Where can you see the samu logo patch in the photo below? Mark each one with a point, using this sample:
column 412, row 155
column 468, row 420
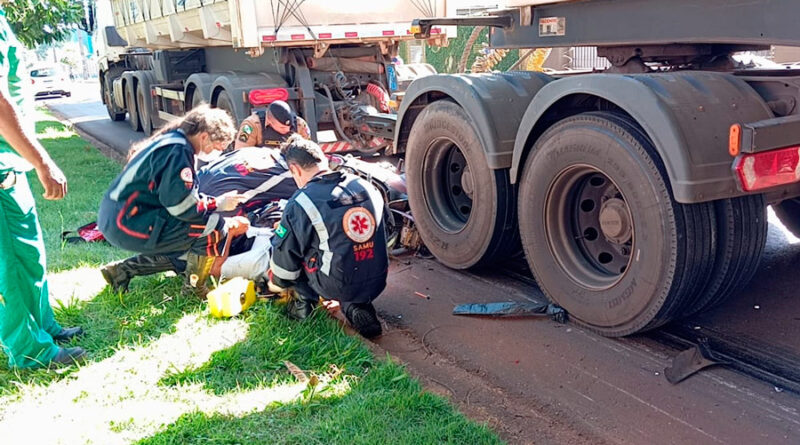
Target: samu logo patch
column 359, row 224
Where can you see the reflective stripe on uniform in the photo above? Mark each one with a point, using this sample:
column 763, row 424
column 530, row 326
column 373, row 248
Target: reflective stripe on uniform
column 130, row 172
column 180, row 208
column 282, row 273
column 377, row 202
column 322, row 231
column 213, row 220
column 267, row 185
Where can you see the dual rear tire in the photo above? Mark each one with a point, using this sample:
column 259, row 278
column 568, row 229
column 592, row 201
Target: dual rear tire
column 601, row 231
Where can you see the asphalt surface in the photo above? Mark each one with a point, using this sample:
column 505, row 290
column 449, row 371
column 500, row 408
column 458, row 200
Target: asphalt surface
column 537, row 381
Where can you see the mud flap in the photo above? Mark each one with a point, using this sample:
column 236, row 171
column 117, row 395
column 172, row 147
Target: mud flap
column 513, row 309
column 691, row 361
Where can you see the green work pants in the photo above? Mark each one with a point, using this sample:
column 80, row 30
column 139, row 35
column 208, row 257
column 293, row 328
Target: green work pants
column 26, row 318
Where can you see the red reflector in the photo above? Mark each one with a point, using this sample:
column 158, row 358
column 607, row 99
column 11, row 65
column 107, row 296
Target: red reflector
column 735, row 140
column 267, row 96
column 351, row 34
column 33, row 81
column 269, row 38
column 768, row 169
column 325, row 35
column 298, row 36
column 388, row 33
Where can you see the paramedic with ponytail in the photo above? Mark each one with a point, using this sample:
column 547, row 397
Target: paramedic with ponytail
column 154, row 207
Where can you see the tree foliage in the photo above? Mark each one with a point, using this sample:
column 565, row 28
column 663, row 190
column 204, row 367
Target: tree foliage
column 38, row 22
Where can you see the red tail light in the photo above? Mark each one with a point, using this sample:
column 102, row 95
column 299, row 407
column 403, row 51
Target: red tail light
column 33, row 81
column 267, row 96
column 768, row 169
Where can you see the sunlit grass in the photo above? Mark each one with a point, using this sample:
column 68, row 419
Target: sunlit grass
column 162, row 371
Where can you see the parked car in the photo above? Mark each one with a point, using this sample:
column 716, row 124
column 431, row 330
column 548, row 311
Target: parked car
column 50, row 81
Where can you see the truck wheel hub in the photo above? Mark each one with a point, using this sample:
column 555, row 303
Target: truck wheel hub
column 467, row 183
column 615, row 221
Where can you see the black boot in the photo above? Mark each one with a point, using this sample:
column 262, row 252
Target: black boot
column 300, row 309
column 363, row 318
column 119, row 274
column 67, row 334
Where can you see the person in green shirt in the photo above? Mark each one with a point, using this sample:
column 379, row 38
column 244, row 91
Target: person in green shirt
column 28, row 329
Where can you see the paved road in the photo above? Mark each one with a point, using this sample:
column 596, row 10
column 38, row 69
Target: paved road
column 541, row 382
column 85, row 110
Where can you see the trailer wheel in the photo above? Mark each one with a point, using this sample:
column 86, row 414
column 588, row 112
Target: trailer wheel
column 788, row 211
column 197, row 99
column 130, row 102
column 741, row 237
column 464, row 210
column 602, row 233
column 224, row 102
column 145, row 119
column 109, row 102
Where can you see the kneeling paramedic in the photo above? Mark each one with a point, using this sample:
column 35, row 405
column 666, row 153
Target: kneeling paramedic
column 260, row 175
column 154, row 207
column 331, row 240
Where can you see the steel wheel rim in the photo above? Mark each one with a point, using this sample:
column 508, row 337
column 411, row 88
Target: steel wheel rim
column 590, row 230
column 448, row 183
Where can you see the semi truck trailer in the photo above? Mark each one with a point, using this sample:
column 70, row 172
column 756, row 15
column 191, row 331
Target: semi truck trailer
column 637, row 193
column 333, row 62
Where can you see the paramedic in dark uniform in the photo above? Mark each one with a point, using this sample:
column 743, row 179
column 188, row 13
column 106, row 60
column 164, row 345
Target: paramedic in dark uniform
column 331, row 240
column 259, row 174
column 271, row 127
column 153, row 207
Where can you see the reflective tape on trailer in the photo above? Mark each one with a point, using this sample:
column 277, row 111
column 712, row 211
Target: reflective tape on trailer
column 341, row 146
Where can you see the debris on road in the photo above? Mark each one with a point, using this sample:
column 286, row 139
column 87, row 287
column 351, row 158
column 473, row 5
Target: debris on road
column 421, row 295
column 691, row 361
column 513, row 309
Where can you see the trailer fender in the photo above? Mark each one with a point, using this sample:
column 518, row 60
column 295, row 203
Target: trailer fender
column 687, row 115
column 494, row 103
column 238, row 85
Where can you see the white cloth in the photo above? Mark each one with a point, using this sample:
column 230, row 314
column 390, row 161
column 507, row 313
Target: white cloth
column 254, row 263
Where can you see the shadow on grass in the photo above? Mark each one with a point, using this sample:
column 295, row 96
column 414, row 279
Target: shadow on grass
column 111, row 321
column 385, row 406
column 313, row 345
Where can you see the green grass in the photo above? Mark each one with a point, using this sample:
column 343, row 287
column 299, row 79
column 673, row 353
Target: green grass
column 162, row 371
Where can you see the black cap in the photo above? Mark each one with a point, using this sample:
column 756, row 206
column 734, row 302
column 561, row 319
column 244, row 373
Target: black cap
column 281, row 112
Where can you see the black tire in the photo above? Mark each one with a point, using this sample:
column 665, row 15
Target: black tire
column 741, row 236
column 113, row 114
column 197, row 99
column 464, row 211
column 788, row 211
column 130, row 102
column 601, row 231
column 144, row 111
column 224, row 102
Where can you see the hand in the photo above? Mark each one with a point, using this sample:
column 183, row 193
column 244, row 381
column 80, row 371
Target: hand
column 331, row 306
column 236, row 225
column 53, row 181
column 230, row 200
